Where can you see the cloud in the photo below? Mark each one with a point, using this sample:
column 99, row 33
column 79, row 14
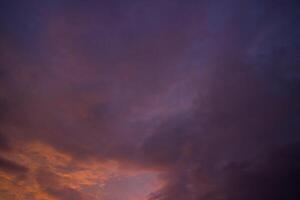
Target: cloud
column 274, row 177
column 102, row 99
column 47, row 173
column 4, row 143
column 11, row 166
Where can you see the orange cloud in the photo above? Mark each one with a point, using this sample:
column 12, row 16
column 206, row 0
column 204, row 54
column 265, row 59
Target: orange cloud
column 55, row 175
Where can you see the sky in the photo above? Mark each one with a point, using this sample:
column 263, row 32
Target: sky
column 149, row 100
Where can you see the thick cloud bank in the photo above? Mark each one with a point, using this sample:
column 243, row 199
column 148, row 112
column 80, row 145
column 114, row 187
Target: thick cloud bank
column 156, row 100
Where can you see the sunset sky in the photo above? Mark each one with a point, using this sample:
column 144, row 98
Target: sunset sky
column 149, row 100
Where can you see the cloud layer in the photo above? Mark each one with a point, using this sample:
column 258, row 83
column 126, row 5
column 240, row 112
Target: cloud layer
column 154, row 100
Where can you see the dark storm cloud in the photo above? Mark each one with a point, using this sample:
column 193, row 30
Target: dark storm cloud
column 12, row 167
column 4, row 143
column 205, row 92
column 234, row 153
column 231, row 151
column 66, row 76
column 274, row 177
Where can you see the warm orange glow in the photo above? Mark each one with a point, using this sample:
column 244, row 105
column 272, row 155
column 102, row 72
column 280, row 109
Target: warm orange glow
column 50, row 169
